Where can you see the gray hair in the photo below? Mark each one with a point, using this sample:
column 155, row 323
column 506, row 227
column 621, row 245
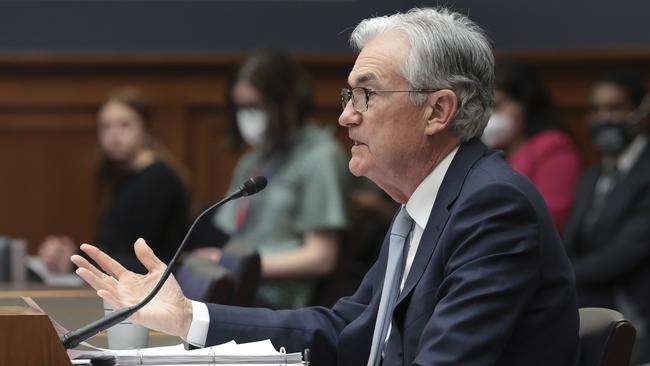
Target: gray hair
column 448, row 51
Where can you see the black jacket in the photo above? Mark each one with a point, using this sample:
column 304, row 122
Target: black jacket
column 616, row 253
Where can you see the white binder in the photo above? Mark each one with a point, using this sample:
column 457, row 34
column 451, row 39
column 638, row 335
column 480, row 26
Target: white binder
column 231, row 353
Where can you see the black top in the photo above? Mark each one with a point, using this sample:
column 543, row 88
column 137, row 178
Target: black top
column 151, row 204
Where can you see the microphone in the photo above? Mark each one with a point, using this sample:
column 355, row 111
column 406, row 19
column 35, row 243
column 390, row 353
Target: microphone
column 249, row 187
column 73, row 338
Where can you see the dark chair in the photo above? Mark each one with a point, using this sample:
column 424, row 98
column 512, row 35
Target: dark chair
column 201, row 280
column 244, row 265
column 606, row 338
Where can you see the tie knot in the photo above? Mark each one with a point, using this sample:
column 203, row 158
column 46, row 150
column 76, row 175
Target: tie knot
column 402, row 224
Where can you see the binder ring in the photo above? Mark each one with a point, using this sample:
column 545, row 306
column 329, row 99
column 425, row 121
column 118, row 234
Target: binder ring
column 284, row 352
column 213, row 356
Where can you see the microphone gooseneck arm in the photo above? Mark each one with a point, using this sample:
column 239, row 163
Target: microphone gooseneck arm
column 73, row 338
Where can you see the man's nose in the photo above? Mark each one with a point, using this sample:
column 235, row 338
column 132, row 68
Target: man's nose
column 349, row 116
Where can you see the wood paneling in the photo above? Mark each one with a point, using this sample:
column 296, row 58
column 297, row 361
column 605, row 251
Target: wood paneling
column 46, row 157
column 48, row 104
column 47, row 129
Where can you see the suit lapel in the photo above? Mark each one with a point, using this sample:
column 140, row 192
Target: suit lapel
column 467, row 155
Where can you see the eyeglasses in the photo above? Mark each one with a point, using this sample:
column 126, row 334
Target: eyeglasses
column 360, row 96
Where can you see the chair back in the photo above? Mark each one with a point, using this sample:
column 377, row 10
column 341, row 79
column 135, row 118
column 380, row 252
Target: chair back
column 201, row 280
column 606, row 338
column 244, row 265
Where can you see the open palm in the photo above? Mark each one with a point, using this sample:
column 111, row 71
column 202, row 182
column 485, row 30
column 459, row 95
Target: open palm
column 169, row 311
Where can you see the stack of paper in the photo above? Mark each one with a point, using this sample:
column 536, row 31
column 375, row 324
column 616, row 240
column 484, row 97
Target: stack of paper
column 231, row 353
column 255, row 353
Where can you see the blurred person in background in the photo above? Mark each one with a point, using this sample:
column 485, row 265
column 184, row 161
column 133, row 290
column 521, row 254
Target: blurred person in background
column 526, row 126
column 608, row 233
column 296, row 223
column 138, row 185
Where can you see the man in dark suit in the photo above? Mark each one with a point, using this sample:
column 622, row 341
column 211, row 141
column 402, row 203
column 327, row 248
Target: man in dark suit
column 608, row 233
column 472, row 272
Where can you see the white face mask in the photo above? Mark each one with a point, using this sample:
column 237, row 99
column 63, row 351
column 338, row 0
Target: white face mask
column 252, row 124
column 499, row 131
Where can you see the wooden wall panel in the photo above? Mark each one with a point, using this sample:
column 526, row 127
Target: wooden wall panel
column 48, row 105
column 48, row 142
column 210, row 159
column 46, row 157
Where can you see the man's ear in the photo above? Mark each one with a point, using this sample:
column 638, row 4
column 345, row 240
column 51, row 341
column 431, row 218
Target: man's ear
column 441, row 109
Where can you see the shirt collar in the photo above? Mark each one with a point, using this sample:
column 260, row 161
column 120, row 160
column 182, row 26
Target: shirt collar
column 631, row 154
column 420, row 204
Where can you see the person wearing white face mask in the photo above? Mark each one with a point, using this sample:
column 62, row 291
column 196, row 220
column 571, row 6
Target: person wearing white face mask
column 252, row 124
column 525, row 126
column 499, row 131
column 296, row 222
column 607, row 234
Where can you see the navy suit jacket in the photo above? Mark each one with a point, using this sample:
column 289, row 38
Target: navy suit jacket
column 490, row 285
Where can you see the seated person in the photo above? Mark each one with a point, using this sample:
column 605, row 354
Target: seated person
column 296, row 224
column 140, row 192
column 608, row 233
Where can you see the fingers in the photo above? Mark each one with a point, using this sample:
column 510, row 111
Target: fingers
column 147, row 257
column 81, row 262
column 108, row 264
column 94, row 281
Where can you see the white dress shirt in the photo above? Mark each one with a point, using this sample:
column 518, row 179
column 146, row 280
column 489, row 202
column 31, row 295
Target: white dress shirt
column 198, row 332
column 418, row 207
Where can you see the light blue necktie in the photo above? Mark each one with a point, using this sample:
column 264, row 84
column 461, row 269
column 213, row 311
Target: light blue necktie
column 400, row 230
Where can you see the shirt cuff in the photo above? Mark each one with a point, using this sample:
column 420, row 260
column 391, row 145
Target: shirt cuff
column 198, row 332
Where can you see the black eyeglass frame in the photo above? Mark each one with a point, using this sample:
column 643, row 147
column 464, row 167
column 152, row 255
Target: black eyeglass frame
column 347, row 94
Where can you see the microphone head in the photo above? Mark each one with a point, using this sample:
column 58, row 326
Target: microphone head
column 253, row 185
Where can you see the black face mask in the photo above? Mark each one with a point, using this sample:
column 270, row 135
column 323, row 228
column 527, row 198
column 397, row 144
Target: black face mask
column 611, row 137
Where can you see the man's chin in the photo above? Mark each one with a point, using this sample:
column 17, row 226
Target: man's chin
column 356, row 167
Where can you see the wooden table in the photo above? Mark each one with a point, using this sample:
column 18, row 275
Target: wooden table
column 73, row 307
